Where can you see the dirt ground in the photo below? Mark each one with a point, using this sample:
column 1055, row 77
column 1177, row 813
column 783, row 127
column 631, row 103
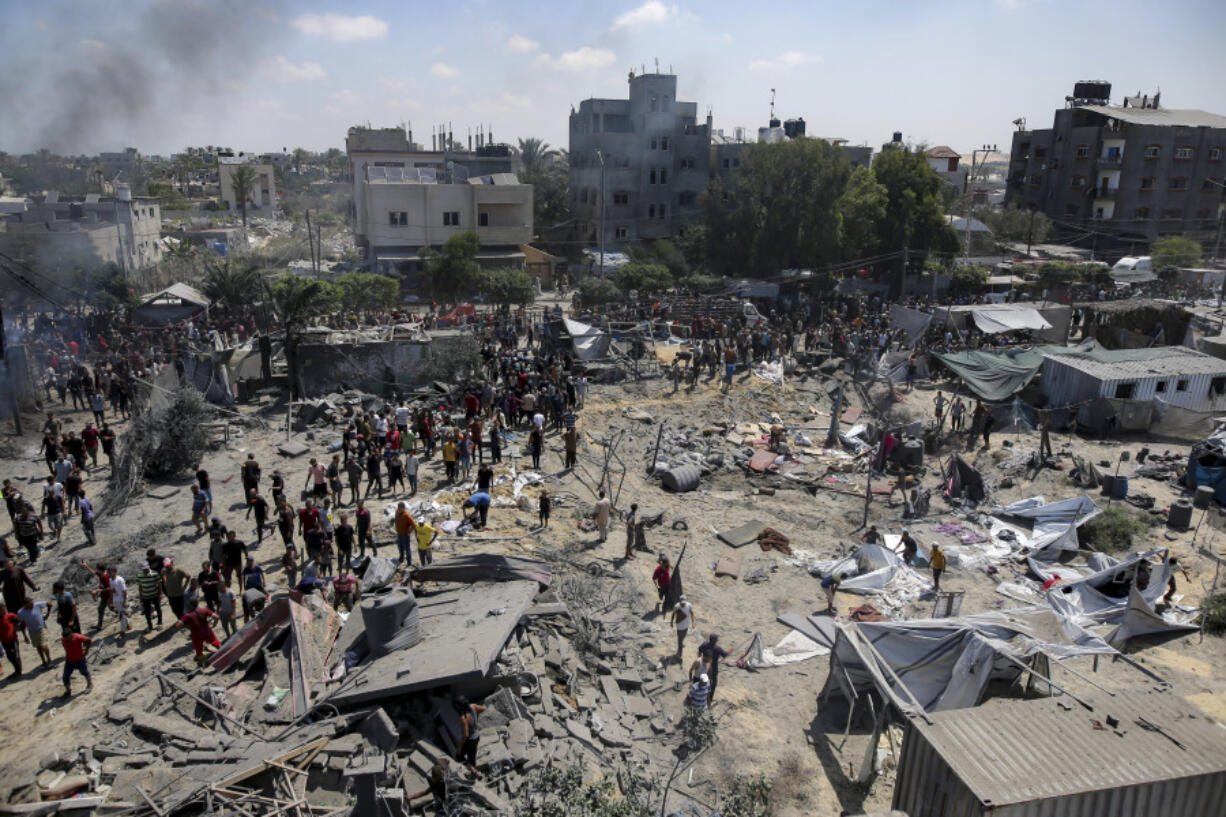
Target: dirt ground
column 769, row 720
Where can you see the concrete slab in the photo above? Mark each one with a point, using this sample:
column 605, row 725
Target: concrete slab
column 460, row 645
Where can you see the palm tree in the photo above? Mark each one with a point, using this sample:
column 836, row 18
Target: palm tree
column 243, row 181
column 534, row 153
column 299, row 154
column 295, row 301
column 236, row 287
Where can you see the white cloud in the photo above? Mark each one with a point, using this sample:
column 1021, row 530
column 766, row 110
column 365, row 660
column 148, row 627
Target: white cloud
column 581, row 59
column 788, row 59
column 343, row 97
column 650, row 13
column 282, row 70
column 444, row 71
column 341, row 29
column 522, row 44
column 516, row 101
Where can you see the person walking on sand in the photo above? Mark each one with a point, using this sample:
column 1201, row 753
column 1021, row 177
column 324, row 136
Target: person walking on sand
column 936, row 559
column 661, row 577
column 76, row 648
column 683, row 620
column 601, row 513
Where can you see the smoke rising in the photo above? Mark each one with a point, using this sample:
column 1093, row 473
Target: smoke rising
column 134, row 80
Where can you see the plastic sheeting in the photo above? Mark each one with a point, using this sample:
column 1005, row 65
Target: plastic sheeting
column 913, row 323
column 1010, row 319
column 590, row 343
column 1053, row 525
column 868, row 569
column 995, row 376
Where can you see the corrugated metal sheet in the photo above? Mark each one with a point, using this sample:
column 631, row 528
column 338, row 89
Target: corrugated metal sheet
column 1037, row 759
column 1126, row 364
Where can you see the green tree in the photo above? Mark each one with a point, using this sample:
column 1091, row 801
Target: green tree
column 243, row 181
column 670, row 255
column 364, row 291
column 595, row 291
column 109, row 288
column 968, row 279
column 235, row 286
column 1013, row 224
column 863, row 207
column 913, row 216
column 535, row 154
column 643, row 277
column 783, row 211
column 295, row 301
column 1175, row 252
column 452, row 271
column 508, row 287
column 692, row 242
column 299, row 156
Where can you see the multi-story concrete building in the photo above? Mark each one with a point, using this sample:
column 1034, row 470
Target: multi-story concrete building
column 59, row 234
column 1126, row 173
column 654, row 157
column 263, row 192
column 406, row 198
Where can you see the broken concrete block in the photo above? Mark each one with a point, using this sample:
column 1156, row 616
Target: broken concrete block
column 612, row 691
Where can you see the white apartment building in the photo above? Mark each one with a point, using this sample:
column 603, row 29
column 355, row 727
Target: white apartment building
column 263, row 194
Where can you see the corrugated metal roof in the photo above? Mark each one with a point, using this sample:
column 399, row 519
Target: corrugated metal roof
column 1124, row 364
column 1020, row 751
column 1186, row 118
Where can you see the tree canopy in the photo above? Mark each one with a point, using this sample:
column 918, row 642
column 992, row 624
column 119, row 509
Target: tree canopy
column 642, row 276
column 1175, row 252
column 508, row 287
column 361, row 291
column 913, row 218
column 594, row 291
column 1014, row 224
column 452, row 271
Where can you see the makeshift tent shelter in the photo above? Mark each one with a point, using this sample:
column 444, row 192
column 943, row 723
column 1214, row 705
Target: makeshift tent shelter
column 869, row 568
column 1053, row 525
column 176, row 302
column 913, row 323
column 963, row 481
column 1004, row 318
column 995, row 376
column 1207, row 466
column 590, row 343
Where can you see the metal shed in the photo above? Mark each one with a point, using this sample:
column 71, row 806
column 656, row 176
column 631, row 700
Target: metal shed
column 1175, row 374
column 1051, row 757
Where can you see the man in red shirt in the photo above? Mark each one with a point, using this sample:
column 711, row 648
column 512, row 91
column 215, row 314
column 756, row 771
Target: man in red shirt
column 90, row 438
column 76, row 647
column 8, row 638
column 197, row 624
column 662, row 577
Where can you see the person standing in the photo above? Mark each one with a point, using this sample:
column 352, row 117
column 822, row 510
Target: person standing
column 365, row 537
column 317, row 480
column 65, row 608
column 106, row 436
column 119, row 601
column 8, row 638
column 601, row 513
column 343, row 535
column 450, row 455
column 955, row 414
column 252, row 579
column 76, row 647
column 545, row 505
column 200, row 510
column 404, row 524
column 87, row 518
column 631, row 522
column 149, row 588
column 250, row 473
column 470, row 732
column 411, row 465
column 699, row 693
column 536, row 441
column 29, row 529
column 936, row 559
column 14, row 580
column 426, row 534
column 353, row 470
column 939, row 403
column 259, row 505
column 1044, row 423
column 989, row 420
column 90, row 436
column 227, row 609
column 683, row 620
column 712, row 652
column 662, row 577
column 335, row 487
column 570, row 440
column 174, row 583
column 33, row 618
column 209, row 582
column 103, row 593
column 374, row 474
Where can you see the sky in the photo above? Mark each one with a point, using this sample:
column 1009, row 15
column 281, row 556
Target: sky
column 158, row 75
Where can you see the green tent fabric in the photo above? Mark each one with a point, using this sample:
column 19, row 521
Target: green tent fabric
column 995, row 376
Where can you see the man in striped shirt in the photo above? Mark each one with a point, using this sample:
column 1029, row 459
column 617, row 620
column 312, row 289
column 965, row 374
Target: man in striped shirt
column 150, row 586
column 699, row 691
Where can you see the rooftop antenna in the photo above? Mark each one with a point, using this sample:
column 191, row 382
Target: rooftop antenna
column 657, row 65
column 772, row 103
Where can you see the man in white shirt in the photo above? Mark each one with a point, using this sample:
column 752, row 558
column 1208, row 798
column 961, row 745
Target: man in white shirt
column 683, row 619
column 402, row 418
column 119, row 600
column 410, row 470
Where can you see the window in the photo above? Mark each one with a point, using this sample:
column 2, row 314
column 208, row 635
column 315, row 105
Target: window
column 654, row 143
column 727, row 164
column 483, row 219
column 1039, row 153
column 655, row 104
column 1172, row 213
column 451, row 218
column 1182, row 385
column 1179, row 183
column 666, row 103
column 1083, row 151
column 686, row 199
column 398, row 218
column 1217, row 385
column 1124, row 391
column 1183, row 153
column 1078, row 181
column 664, row 143
column 1147, row 183
column 1215, row 154
column 621, row 197
column 663, row 211
column 1160, row 386
column 663, row 176
column 621, row 233
column 736, row 161
column 651, row 211
column 1151, row 151
column 651, row 176
column 687, row 163
column 1071, row 209
column 1141, row 212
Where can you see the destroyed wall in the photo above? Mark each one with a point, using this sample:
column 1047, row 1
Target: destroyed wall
column 365, row 366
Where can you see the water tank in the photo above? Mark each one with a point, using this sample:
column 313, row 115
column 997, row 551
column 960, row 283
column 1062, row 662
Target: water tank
column 794, row 128
column 681, row 479
column 898, row 136
column 392, row 621
column 1095, row 90
column 123, row 192
column 911, row 453
column 1180, row 515
column 1204, row 496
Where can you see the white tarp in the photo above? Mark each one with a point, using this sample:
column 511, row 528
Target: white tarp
column 1010, row 319
column 868, row 569
column 793, row 647
column 590, row 343
column 1054, row 524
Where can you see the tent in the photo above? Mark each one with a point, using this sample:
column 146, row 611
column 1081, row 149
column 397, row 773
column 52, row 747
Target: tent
column 1053, row 525
column 590, row 343
column 913, row 323
column 869, row 568
column 963, row 481
column 175, row 303
column 995, row 376
column 1008, row 319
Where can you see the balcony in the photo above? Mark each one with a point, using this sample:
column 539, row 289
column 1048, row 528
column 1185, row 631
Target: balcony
column 1105, row 192
column 1111, row 161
